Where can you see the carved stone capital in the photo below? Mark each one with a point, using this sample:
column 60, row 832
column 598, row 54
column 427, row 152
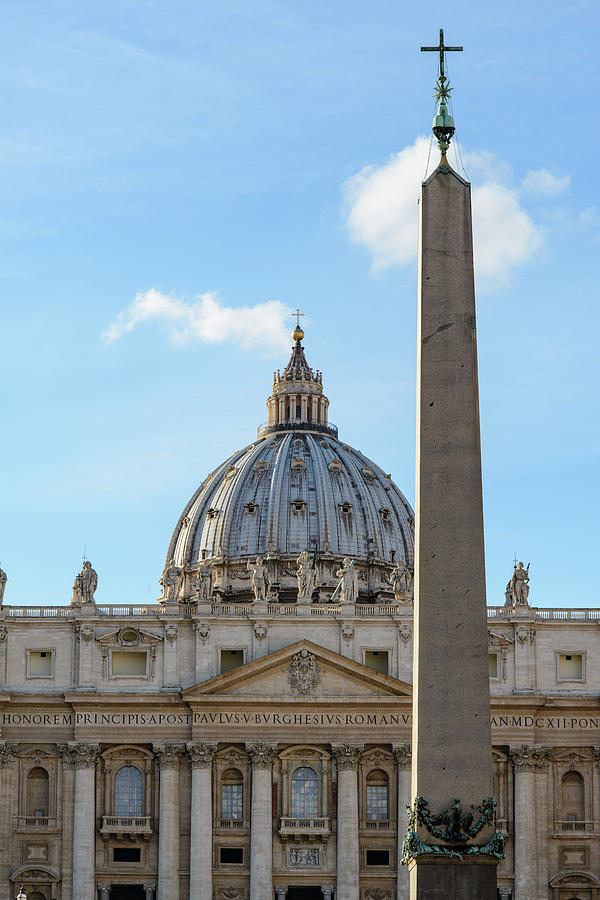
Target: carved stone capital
column 149, row 887
column 168, row 754
column 103, row 886
column 529, row 759
column 7, row 753
column 346, row 755
column 201, row 754
column 80, row 755
column 327, row 890
column 261, row 754
column 280, row 890
column 403, row 754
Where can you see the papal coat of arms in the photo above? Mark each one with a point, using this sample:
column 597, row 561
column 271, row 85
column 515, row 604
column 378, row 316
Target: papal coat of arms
column 303, row 672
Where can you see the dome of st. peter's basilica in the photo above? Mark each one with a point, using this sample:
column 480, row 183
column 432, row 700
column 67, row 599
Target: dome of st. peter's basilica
column 297, row 487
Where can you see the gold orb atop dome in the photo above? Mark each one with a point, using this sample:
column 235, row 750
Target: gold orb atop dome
column 297, row 333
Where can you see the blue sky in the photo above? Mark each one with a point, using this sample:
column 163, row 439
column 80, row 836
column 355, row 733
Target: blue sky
column 263, row 155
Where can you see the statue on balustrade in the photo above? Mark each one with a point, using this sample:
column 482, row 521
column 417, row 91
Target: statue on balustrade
column 307, row 576
column 401, row 580
column 85, row 585
column 517, row 589
column 3, row 580
column 171, row 581
column 201, row 583
column 348, row 586
column 259, row 579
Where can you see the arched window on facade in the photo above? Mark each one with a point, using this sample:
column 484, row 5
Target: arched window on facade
column 232, row 794
column 128, row 791
column 573, row 801
column 305, row 793
column 38, row 792
column 377, row 796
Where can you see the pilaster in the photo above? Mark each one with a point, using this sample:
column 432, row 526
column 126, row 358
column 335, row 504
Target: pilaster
column 403, row 755
column 201, row 819
column 82, row 757
column 8, row 754
column 348, row 860
column 168, row 756
column 261, row 820
column 527, row 761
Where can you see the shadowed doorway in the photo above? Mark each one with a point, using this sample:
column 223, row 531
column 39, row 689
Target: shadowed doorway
column 304, row 893
column 127, row 892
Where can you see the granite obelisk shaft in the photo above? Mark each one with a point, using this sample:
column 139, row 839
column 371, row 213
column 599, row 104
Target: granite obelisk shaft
column 451, row 707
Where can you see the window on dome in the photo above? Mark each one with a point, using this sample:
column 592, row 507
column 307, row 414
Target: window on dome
column 298, row 505
column 386, row 514
column 211, row 513
column 250, row 508
column 231, row 659
column 346, row 507
column 377, row 660
column 305, row 793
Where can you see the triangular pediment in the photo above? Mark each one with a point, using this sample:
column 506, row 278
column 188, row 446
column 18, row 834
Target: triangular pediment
column 302, row 670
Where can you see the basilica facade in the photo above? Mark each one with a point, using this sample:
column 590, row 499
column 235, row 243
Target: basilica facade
column 247, row 737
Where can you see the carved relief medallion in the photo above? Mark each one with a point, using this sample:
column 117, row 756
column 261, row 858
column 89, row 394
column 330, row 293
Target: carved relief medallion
column 303, row 672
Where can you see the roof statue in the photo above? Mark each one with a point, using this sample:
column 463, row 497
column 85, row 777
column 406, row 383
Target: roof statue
column 443, row 122
column 85, row 585
column 3, row 580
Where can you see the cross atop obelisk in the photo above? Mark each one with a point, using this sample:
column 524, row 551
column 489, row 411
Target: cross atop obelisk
column 442, row 49
column 443, row 123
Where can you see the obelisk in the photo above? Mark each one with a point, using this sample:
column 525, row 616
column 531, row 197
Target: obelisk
column 451, row 847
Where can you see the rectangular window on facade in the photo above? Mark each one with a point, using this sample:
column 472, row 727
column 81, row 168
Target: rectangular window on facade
column 378, row 857
column 126, row 854
column 377, row 802
column 40, row 663
column 570, row 667
column 232, row 801
column 378, row 660
column 493, row 664
column 128, row 663
column 231, row 659
column 231, row 855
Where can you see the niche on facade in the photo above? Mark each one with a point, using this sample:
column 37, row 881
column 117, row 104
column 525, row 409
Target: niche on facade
column 377, row 799
column 303, row 794
column 125, row 793
column 578, row 885
column 128, row 653
column 231, row 791
column 37, row 788
column 572, row 788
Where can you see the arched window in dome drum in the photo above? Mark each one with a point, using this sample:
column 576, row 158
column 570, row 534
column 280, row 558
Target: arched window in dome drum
column 377, row 796
column 128, row 791
column 232, row 785
column 305, row 793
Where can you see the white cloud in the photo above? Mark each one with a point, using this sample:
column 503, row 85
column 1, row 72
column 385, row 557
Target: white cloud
column 206, row 318
column 382, row 215
column 542, row 183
